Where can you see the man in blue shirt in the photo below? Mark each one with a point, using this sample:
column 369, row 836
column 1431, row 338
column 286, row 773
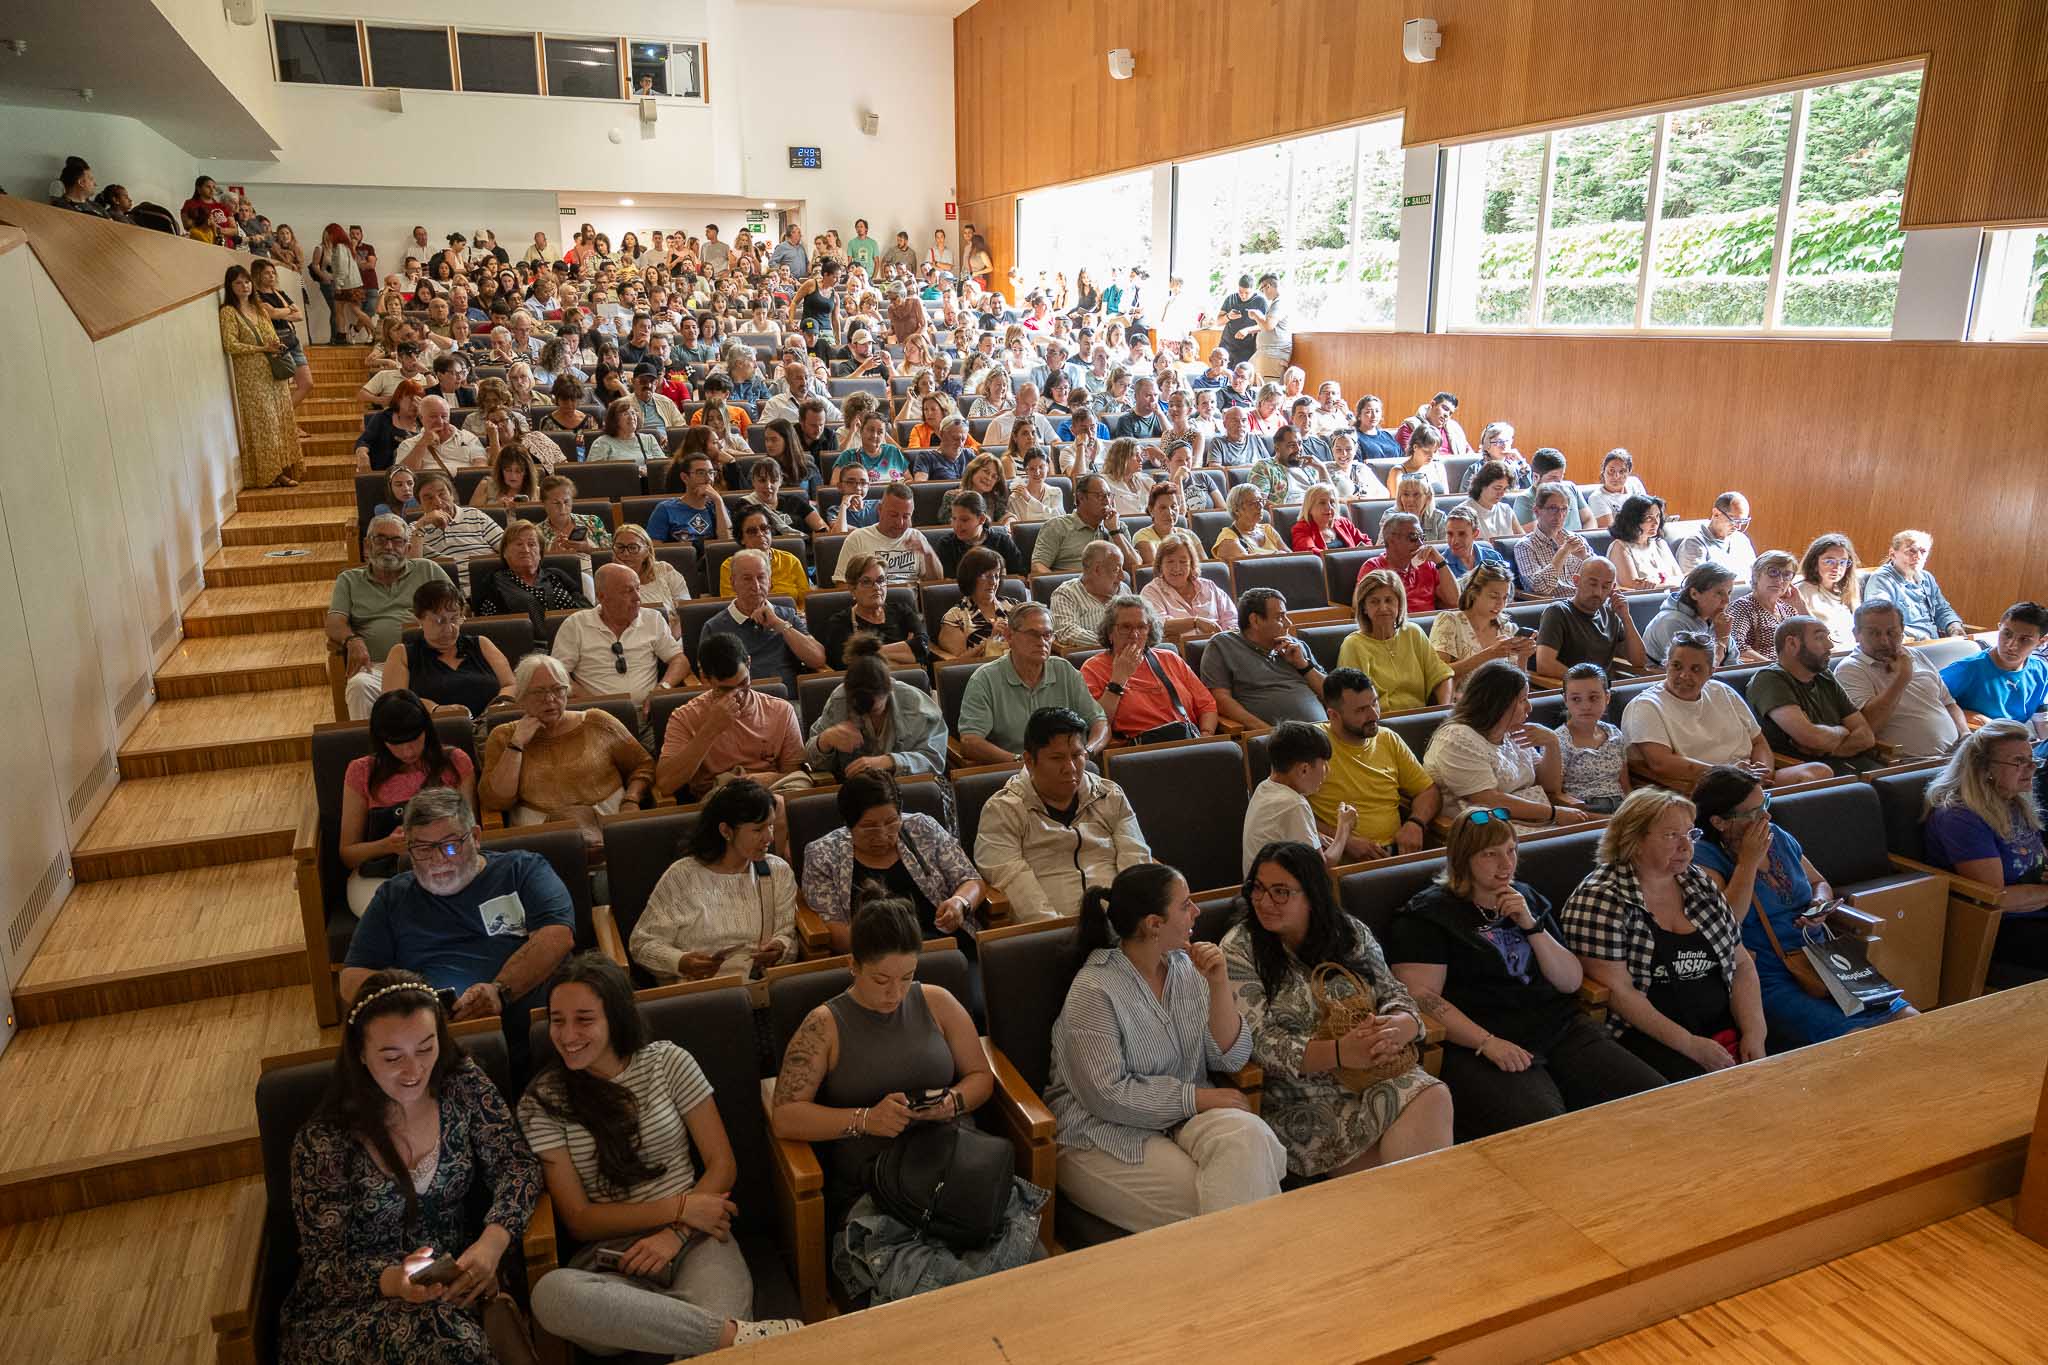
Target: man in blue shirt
column 790, row 252
column 1904, row 581
column 1467, row 551
column 2007, row 681
column 490, row 927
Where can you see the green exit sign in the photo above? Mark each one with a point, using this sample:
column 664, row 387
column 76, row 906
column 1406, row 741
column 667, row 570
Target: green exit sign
column 1415, row 201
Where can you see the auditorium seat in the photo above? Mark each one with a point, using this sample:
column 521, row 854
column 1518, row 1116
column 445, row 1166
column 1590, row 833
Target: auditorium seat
column 1341, row 569
column 1974, row 911
column 825, row 555
column 1043, row 585
column 591, row 507
column 824, row 604
column 716, row 552
column 927, row 497
column 971, row 791
column 1300, row 579
column 638, row 848
column 814, row 814
column 813, row 690
column 481, row 570
column 940, row 598
column 513, row 635
column 1200, row 838
column 695, row 615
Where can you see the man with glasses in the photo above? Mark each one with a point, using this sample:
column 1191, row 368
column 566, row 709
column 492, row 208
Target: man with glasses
column 1724, row 540
column 1003, row 694
column 1056, row 829
column 491, row 927
column 1063, row 542
column 1372, row 772
column 1903, row 579
column 1803, row 710
column 2008, row 681
column 619, row 645
column 372, row 606
column 728, row 728
column 1899, row 690
column 1679, row 728
column 772, row 635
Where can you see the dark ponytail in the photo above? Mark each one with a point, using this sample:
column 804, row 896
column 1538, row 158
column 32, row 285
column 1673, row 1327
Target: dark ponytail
column 1112, row 914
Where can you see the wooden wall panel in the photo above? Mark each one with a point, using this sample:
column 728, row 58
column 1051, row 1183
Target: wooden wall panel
column 1857, row 436
column 1036, row 106
column 996, row 220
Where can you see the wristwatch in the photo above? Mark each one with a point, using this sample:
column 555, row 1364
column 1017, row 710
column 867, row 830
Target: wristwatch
column 1115, row 687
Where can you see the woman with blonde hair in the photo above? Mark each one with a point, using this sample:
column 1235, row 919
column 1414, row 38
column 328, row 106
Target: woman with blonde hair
column 1827, row 587
column 1478, row 630
column 1389, row 648
column 1323, row 525
column 1770, row 602
column 991, row 394
column 1249, row 532
column 1982, row 822
column 1121, row 472
column 1413, row 494
column 662, row 585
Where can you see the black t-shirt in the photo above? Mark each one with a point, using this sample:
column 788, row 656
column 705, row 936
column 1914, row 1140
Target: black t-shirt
column 1238, row 333
column 951, row 549
column 1139, row 428
column 1686, row 984
column 899, row 622
column 1490, row 974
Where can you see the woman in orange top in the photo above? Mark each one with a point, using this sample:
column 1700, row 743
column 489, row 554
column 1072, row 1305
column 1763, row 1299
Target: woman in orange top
column 926, row 433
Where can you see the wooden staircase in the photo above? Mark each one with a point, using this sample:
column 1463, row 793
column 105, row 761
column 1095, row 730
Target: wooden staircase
column 127, row 1100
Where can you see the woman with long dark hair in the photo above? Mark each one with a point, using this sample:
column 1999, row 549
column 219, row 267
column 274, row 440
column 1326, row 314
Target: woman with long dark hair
column 383, row 1178
column 263, row 402
column 641, row 1172
column 1144, row 1138
column 1292, row 925
column 728, row 904
column 405, row 756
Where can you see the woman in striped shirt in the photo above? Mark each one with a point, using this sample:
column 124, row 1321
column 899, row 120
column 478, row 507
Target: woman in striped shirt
column 1145, row 1138
column 616, row 1119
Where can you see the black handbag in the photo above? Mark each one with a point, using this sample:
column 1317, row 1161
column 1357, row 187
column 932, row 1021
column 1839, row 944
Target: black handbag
column 948, row 1181
column 1184, row 728
column 281, row 366
column 378, row 823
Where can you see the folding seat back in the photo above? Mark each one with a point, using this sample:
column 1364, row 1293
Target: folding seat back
column 1201, row 838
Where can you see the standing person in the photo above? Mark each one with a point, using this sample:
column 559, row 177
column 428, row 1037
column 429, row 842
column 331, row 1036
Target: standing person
column 1239, row 313
column 263, row 400
column 341, row 279
column 285, row 316
column 1273, row 342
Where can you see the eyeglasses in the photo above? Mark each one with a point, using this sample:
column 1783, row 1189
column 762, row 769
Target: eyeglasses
column 1780, row 572
column 547, row 693
column 1482, row 817
column 1738, row 523
column 390, row 540
column 1833, row 562
column 1029, row 633
column 2012, row 763
column 1274, row 895
column 447, row 851
column 1698, row 639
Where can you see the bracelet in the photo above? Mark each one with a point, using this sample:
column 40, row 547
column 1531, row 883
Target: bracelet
column 862, row 1119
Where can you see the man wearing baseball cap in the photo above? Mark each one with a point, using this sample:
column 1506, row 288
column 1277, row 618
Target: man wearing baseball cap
column 658, row 413
column 863, row 359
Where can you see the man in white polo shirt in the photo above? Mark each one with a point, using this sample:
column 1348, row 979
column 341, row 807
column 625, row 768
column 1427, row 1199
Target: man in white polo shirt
column 1898, row 690
column 619, row 645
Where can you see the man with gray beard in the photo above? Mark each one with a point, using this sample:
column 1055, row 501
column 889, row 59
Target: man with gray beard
column 372, row 606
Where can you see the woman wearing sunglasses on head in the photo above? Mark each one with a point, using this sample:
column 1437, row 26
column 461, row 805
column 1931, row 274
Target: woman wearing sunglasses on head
column 1483, row 955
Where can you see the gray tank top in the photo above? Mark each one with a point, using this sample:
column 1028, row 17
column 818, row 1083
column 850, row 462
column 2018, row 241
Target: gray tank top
column 879, row 1054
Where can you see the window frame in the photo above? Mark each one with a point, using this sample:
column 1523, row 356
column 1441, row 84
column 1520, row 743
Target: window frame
column 2005, row 264
column 370, row 81
column 532, row 37
column 620, row 65
column 362, row 81
column 1772, row 326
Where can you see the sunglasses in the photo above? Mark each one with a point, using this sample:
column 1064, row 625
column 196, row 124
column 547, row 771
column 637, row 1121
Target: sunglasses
column 618, row 656
column 1481, row 817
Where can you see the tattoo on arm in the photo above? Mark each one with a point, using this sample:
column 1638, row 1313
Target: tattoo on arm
column 1431, row 1004
column 803, row 1066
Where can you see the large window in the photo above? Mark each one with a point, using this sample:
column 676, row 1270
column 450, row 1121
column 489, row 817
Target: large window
column 498, row 63
column 415, row 58
column 2012, row 296
column 1322, row 213
column 483, row 61
column 312, row 53
column 586, row 68
column 1777, row 213
column 1100, row 226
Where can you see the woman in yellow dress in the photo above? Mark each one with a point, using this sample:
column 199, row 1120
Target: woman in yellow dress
column 263, row 402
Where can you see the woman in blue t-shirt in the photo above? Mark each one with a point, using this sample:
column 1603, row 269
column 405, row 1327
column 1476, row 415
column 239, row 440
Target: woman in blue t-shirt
column 1983, row 823
column 1756, row 864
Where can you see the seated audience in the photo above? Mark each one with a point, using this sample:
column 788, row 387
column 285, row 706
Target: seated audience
column 1003, row 694
column 789, row 514
column 1497, row 445
column 1903, row 579
column 1983, row 821
column 1372, row 771
column 567, row 531
column 971, row 530
column 1055, row 829
column 1079, row 604
column 1062, row 541
column 1592, row 626
column 555, row 763
column 1427, row 580
column 525, row 586
column 1147, row 693
column 1477, row 630
column 637, row 1162
column 978, row 625
column 1165, row 517
column 754, row 528
column 1249, row 533
column 1549, row 557
column 1594, row 754
column 455, row 673
column 894, row 623
column 1828, row 590
column 909, row 854
column 441, row 446
column 1391, row 649
column 623, row 439
column 405, row 755
column 1654, row 930
column 389, row 428
column 1687, row 723
column 729, row 729
column 2008, row 681
column 1487, row 498
column 1286, row 475
column 1724, row 540
column 1232, row 446
column 1618, row 483
column 1698, row 606
column 1899, row 690
column 400, row 484
column 1465, row 551
column 875, row 721
column 899, row 549
column 881, row 458
column 773, row 636
column 849, row 1069
column 491, row 927
column 448, row 530
column 1436, row 415
column 1483, row 955
column 1769, row 883
column 412, row 1146
column 1803, row 710
column 696, row 514
column 1128, row 484
column 662, row 586
column 1641, row 556
column 1190, row 606
column 1031, row 497
column 1146, row 1138
column 1298, row 763
column 619, row 645
column 371, row 607
column 727, row 906
column 1488, row 757
column 1414, row 495
column 1423, row 459
column 1547, row 467
column 1754, row 617
column 1331, row 1124
column 1261, row 673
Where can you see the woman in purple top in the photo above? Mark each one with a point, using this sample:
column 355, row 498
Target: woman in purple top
column 1982, row 822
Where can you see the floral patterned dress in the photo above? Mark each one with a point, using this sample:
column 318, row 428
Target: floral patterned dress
column 351, row 1221
column 1322, row 1124
column 263, row 405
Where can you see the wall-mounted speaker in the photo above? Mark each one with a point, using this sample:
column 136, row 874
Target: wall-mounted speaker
column 649, row 110
column 244, row 12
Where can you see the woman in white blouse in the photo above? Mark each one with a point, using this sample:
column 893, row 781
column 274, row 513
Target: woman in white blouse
column 1487, row 757
column 661, row 583
column 1828, row 589
column 1128, row 486
column 1491, row 483
column 728, row 906
column 1190, row 606
column 1478, row 631
column 992, row 395
column 1145, row 1137
column 1031, row 497
column 1642, row 557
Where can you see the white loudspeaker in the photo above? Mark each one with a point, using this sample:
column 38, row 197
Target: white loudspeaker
column 1121, row 65
column 1420, row 40
column 394, row 99
column 649, row 110
column 244, row 12
column 871, row 124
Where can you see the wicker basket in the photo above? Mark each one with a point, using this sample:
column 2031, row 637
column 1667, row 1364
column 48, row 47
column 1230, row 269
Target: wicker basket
column 1337, row 1013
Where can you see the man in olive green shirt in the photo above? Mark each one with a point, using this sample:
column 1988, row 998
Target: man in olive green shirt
column 1003, row 693
column 372, row 606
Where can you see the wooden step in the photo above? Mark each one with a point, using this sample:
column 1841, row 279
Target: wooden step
column 311, row 494
column 239, row 730
column 292, row 527
column 141, row 942
column 108, row 1286
column 245, row 566
column 187, row 820
column 330, row 444
column 143, row 1103
column 343, row 424
column 258, row 610
column 216, row 666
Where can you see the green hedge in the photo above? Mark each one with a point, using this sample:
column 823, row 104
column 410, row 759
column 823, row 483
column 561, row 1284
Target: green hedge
column 1708, row 303
column 1841, row 301
column 1590, row 303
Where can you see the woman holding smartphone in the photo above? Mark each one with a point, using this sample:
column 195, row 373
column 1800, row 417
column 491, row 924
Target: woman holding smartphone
column 391, row 1266
column 641, row 1173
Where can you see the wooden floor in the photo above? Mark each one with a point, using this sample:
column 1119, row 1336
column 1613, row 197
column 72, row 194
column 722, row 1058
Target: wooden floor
column 1968, row 1289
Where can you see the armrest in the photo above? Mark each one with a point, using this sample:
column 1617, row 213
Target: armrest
column 1593, row 995
column 231, row 1298
column 995, row 907
column 811, row 931
column 539, row 1242
column 608, row 940
column 1847, row 919
column 1017, row 1100
column 796, row 1163
column 1982, row 892
column 1250, row 1077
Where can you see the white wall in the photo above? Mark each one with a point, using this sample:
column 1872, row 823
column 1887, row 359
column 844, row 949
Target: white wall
column 616, row 222
column 237, row 54
column 121, row 151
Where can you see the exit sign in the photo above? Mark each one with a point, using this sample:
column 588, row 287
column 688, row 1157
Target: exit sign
column 1415, row 201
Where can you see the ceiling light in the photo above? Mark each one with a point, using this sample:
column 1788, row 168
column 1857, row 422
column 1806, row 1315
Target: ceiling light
column 625, row 203
column 768, row 204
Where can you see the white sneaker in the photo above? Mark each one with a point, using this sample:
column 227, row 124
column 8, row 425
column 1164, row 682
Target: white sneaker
column 765, row 1328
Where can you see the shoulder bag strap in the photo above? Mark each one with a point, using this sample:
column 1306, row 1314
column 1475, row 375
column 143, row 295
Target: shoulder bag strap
column 1173, row 694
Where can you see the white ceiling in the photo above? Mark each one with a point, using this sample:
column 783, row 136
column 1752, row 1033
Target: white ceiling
column 149, row 74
